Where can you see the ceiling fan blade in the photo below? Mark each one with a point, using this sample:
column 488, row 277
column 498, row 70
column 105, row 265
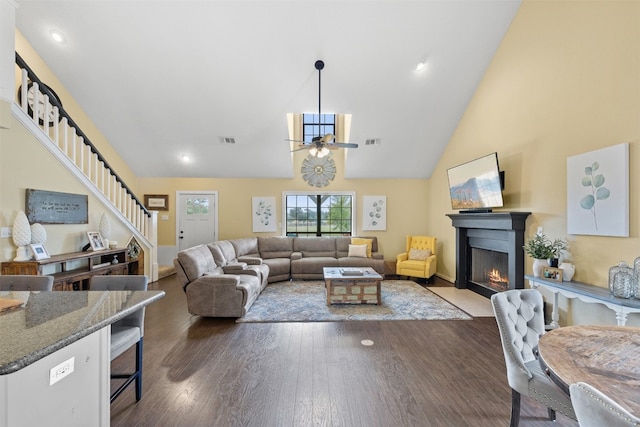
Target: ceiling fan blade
column 295, row 140
column 302, row 148
column 344, row 145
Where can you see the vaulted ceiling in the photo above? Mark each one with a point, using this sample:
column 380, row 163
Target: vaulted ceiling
column 165, row 78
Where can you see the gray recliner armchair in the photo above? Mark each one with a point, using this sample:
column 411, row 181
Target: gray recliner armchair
column 595, row 409
column 520, row 318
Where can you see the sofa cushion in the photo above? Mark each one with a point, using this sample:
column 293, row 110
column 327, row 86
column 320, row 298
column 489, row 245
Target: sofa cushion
column 358, row 251
column 419, row 254
column 363, row 241
column 315, row 246
column 223, row 252
column 196, row 261
column 247, row 246
column 275, row 247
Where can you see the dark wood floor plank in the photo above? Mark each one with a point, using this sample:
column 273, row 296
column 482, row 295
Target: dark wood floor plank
column 215, row 372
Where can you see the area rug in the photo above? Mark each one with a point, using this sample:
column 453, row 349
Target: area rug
column 305, row 301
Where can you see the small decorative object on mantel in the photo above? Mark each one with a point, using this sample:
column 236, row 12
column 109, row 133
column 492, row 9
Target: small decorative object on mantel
column 21, row 236
column 552, row 273
column 621, row 280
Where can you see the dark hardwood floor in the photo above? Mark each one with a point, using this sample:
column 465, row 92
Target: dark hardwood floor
column 214, row 372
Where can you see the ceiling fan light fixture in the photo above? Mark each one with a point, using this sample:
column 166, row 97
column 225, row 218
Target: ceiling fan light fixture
column 313, row 151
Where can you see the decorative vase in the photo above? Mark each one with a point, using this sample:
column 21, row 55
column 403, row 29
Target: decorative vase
column 538, row 266
column 21, row 236
column 620, row 280
column 568, row 270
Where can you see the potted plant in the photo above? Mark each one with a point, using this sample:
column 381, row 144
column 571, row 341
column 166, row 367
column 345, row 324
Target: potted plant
column 543, row 251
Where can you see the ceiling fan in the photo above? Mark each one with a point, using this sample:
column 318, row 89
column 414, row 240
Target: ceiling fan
column 319, row 145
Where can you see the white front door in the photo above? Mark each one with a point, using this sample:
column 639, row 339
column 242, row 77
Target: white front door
column 197, row 218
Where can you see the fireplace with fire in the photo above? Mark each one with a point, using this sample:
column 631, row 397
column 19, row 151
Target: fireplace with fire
column 489, row 254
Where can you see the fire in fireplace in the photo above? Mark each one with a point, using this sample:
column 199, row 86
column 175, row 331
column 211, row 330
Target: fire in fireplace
column 490, row 269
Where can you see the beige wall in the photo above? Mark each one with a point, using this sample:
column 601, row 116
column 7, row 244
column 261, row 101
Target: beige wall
column 26, row 163
column 407, row 202
column 565, row 81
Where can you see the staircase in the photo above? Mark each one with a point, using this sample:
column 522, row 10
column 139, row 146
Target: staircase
column 68, row 143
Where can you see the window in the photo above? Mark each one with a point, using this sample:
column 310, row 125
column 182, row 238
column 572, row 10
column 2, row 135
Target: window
column 323, row 214
column 310, row 123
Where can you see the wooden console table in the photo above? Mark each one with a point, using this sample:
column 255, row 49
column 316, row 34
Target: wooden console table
column 72, row 271
column 586, row 293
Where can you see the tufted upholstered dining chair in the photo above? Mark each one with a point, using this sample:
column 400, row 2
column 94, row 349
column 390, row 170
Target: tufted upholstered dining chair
column 596, row 409
column 419, row 260
column 26, row 283
column 125, row 332
column 520, row 318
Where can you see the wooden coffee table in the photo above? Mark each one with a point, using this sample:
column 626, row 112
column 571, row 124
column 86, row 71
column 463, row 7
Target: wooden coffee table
column 349, row 285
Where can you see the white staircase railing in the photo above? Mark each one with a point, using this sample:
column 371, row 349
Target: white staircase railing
column 64, row 139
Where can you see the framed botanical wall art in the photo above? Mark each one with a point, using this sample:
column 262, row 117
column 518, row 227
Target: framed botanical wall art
column 263, row 212
column 598, row 192
column 374, row 212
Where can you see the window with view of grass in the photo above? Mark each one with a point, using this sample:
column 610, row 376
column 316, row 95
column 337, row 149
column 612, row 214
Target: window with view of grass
column 319, row 214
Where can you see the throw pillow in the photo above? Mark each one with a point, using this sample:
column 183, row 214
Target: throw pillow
column 419, row 254
column 362, row 241
column 358, row 251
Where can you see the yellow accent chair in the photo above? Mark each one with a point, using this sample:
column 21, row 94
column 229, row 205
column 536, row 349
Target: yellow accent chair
column 420, row 258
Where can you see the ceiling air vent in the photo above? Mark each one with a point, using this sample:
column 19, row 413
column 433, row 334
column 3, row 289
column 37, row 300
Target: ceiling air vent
column 227, row 140
column 372, row 141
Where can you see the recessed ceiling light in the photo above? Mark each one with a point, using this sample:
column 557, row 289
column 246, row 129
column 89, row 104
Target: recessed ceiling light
column 420, row 65
column 185, row 158
column 57, row 36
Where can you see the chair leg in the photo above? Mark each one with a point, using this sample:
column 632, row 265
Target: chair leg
column 515, row 409
column 136, row 376
column 139, row 370
column 552, row 414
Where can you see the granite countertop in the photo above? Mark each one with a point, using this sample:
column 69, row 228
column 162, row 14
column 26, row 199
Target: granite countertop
column 49, row 321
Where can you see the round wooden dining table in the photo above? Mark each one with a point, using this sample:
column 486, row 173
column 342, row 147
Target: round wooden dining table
column 606, row 357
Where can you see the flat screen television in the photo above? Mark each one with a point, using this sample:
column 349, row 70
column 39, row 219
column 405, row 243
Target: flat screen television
column 476, row 186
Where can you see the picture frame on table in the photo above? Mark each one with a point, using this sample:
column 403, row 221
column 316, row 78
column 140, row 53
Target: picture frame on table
column 39, row 251
column 95, row 240
column 552, row 273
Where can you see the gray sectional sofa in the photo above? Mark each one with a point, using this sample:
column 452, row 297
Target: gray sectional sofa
column 224, row 278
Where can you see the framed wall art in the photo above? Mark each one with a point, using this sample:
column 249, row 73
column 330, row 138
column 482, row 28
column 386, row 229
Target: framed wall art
column 598, row 192
column 374, row 212
column 263, row 213
column 52, row 207
column 156, row 202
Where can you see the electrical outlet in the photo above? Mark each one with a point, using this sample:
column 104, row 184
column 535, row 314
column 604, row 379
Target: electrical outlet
column 6, row 232
column 62, row 370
